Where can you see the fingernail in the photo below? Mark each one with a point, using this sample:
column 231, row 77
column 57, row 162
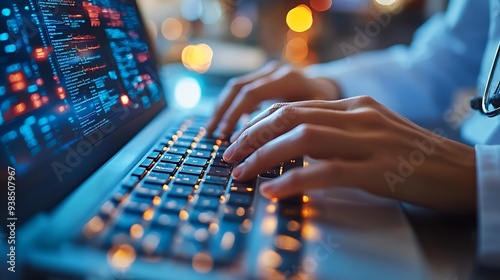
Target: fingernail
column 233, row 138
column 228, row 154
column 237, row 171
column 265, row 189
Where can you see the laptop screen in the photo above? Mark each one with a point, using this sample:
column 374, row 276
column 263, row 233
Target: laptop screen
column 73, row 75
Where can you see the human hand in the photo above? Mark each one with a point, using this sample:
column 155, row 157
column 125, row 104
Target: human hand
column 274, row 81
column 356, row 142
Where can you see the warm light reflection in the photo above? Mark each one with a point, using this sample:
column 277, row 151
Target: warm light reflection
column 156, row 200
column 183, row 215
column 309, row 232
column 269, row 225
column 270, row 259
column 246, row 226
column 148, row 214
column 299, row 19
column 94, row 226
column 305, row 199
column 241, row 27
column 171, row 29
column 124, row 99
column 136, row 231
column 121, row 257
column 213, row 228
column 202, row 262
column 321, row 5
column 287, row 243
column 271, row 208
column 293, row 225
column 240, row 211
column 197, row 57
column 296, row 50
column 20, row 108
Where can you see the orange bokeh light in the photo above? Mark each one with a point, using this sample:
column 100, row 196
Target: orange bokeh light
column 61, row 93
column 296, row 50
column 61, row 109
column 41, row 53
column 125, row 99
column 20, row 108
column 16, row 77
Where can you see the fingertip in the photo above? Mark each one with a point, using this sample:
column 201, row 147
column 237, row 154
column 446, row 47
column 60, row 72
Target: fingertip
column 266, row 190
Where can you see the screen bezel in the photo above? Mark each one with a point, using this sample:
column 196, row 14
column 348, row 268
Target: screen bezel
column 41, row 190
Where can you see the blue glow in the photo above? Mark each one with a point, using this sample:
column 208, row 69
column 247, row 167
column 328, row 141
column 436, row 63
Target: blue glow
column 32, row 88
column 187, row 92
column 45, row 128
column 30, row 121
column 43, row 121
column 6, row 12
column 1, row 119
column 4, row 36
column 191, row 9
column 9, row 136
column 2, row 90
column 10, row 48
column 212, row 12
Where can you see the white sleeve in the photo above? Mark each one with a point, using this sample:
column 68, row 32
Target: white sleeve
column 418, row 81
column 488, row 183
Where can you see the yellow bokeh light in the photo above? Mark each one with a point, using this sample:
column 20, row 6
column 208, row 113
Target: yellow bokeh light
column 121, row 257
column 299, row 19
column 321, row 5
column 197, row 57
column 171, row 29
column 241, row 27
column 296, row 50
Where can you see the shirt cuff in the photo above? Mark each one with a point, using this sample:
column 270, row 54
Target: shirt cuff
column 488, row 182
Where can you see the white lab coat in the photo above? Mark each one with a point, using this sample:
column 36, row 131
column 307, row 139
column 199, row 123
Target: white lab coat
column 450, row 52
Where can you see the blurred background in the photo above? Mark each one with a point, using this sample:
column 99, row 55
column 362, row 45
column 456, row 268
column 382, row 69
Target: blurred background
column 205, row 42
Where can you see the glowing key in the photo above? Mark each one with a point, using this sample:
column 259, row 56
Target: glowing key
column 124, row 99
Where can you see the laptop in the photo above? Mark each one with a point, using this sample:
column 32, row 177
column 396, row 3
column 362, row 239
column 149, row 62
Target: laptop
column 104, row 180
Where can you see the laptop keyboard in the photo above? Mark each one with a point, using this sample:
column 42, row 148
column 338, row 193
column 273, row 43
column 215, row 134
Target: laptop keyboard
column 180, row 200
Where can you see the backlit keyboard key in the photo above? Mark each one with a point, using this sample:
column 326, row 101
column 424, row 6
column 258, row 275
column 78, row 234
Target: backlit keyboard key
column 201, row 154
column 194, row 161
column 171, row 158
column 186, row 179
column 219, row 171
column 157, row 178
column 165, row 167
column 192, row 170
